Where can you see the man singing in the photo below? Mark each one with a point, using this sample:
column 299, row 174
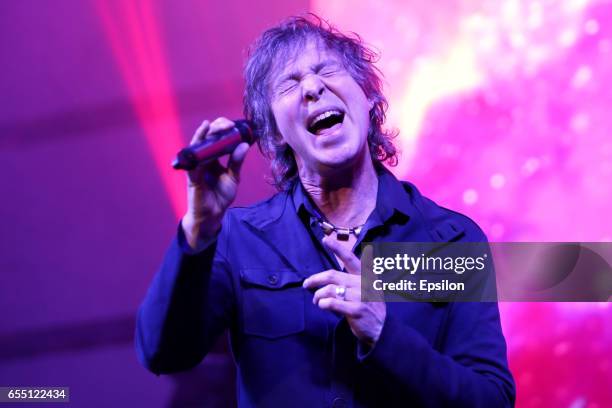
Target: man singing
column 284, row 275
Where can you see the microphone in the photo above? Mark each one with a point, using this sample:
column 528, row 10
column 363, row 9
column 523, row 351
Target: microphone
column 216, row 144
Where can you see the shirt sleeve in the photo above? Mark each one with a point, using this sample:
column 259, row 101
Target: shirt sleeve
column 467, row 367
column 470, row 369
column 190, row 302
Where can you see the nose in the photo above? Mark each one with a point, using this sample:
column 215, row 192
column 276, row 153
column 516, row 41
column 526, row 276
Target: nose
column 312, row 88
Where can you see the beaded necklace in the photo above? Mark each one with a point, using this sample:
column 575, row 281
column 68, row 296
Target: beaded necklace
column 342, row 233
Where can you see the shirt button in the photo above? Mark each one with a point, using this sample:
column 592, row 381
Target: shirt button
column 273, row 279
column 339, row 403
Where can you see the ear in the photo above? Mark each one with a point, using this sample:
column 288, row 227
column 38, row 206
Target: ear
column 280, row 139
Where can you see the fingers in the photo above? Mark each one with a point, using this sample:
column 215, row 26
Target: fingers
column 200, row 133
column 237, row 157
column 350, row 309
column 348, row 258
column 220, row 124
column 367, row 258
column 236, row 160
column 368, row 292
column 329, row 291
column 205, row 172
column 331, row 276
column 210, row 171
column 367, row 255
column 207, row 128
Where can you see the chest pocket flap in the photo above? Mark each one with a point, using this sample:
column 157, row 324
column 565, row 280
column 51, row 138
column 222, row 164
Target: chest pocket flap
column 270, row 278
column 272, row 302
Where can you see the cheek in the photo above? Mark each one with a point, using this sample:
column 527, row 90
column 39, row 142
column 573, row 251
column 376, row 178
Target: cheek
column 283, row 124
column 283, row 114
column 366, row 107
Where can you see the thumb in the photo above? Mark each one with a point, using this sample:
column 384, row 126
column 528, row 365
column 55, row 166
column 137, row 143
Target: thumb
column 236, row 160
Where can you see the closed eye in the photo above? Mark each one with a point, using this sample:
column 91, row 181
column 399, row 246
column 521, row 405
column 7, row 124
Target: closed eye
column 327, row 68
column 287, row 87
column 327, row 72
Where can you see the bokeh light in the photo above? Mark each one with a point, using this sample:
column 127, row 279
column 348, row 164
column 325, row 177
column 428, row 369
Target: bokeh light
column 502, row 108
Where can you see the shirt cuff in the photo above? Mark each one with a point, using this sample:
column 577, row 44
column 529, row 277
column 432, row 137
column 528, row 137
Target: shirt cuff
column 390, row 329
column 201, row 246
column 363, row 350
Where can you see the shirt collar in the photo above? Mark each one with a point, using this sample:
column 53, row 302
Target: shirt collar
column 392, row 197
column 301, row 201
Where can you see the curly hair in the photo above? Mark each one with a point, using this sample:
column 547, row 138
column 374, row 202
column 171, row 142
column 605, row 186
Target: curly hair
column 283, row 42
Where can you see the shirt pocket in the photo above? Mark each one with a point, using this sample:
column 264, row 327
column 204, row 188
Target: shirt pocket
column 272, row 302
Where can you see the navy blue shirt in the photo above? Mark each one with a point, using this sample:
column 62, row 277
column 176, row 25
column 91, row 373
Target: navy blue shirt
column 290, row 352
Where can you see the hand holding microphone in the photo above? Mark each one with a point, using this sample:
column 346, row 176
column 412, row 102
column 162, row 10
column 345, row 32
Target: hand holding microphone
column 212, row 187
column 215, row 144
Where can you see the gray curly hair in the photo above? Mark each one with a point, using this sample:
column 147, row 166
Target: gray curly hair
column 282, row 42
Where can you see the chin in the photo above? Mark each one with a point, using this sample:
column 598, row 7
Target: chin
column 338, row 161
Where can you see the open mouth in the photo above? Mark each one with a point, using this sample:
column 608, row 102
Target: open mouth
column 325, row 121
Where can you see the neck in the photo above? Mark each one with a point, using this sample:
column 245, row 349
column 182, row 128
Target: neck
column 345, row 196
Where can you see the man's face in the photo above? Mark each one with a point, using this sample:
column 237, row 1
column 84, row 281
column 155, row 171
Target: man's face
column 320, row 111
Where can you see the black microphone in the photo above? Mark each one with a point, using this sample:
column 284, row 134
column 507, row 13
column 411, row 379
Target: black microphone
column 216, row 144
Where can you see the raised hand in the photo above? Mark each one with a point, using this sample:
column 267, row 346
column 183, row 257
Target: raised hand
column 211, row 187
column 366, row 319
